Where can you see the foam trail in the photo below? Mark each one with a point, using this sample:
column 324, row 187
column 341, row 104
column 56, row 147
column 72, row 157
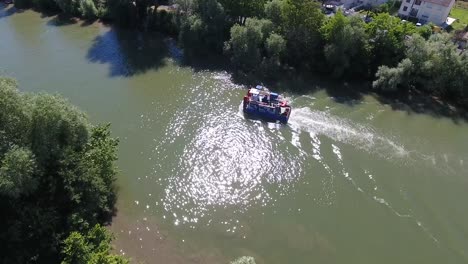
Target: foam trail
column 343, row 130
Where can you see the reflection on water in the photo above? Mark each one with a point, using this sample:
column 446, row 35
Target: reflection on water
column 127, row 52
column 226, row 161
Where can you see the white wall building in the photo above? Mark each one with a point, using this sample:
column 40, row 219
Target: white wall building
column 425, row 11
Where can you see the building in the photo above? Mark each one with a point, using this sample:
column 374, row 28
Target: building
column 425, row 11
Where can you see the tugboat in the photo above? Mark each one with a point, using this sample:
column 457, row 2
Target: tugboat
column 270, row 106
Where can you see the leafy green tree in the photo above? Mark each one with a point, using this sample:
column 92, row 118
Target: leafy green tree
column 434, row 65
column 346, row 51
column 254, row 45
column 57, row 174
column 205, row 29
column 239, row 10
column 186, row 6
column 274, row 11
column 275, row 46
column 69, row 7
column 387, row 35
column 302, row 20
column 256, row 48
column 14, row 118
column 88, row 9
column 17, row 173
column 93, row 248
column 392, row 79
column 245, row 45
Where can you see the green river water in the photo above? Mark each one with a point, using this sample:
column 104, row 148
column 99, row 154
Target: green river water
column 353, row 182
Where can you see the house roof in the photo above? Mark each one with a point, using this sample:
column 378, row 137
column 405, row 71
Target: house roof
column 445, row 3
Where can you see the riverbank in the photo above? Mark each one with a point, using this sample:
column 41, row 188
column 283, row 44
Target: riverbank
column 290, row 77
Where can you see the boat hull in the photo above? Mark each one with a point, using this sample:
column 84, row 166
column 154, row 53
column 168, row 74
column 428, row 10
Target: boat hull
column 264, row 114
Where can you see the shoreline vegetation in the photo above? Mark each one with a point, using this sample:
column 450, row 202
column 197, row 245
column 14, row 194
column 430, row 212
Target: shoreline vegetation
column 270, row 41
column 57, row 181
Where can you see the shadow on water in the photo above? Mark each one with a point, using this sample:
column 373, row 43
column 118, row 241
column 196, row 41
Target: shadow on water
column 340, row 91
column 415, row 102
column 285, row 81
column 59, row 21
column 127, row 52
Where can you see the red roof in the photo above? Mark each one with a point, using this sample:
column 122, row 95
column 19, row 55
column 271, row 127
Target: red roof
column 440, row 2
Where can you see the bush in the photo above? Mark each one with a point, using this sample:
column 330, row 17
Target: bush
column 92, row 247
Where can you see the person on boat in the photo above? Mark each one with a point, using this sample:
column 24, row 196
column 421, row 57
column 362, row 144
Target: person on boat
column 265, row 99
column 286, row 112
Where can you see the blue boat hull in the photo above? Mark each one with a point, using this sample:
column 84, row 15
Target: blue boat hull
column 264, row 114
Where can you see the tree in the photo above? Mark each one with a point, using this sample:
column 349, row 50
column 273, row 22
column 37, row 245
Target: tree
column 255, row 47
column 346, row 51
column 302, row 20
column 246, row 43
column 387, row 35
column 57, row 174
column 92, row 248
column 69, row 7
column 205, row 29
column 88, row 9
column 239, row 10
column 274, row 11
column 16, row 173
column 433, row 65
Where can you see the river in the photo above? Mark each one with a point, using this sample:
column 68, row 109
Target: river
column 346, row 181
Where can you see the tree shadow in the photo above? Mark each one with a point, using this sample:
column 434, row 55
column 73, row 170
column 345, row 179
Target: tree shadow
column 291, row 81
column 60, row 20
column 128, row 52
column 349, row 93
column 88, row 22
column 416, row 102
column 47, row 12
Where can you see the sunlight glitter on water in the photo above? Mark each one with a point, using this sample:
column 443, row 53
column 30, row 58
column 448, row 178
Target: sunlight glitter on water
column 229, row 164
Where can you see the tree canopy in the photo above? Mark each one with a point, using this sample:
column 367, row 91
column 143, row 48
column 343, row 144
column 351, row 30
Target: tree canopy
column 347, row 48
column 434, row 65
column 57, row 174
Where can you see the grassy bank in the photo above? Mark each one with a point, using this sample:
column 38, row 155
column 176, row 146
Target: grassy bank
column 461, row 14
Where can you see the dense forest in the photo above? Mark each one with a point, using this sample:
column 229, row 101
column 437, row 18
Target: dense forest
column 57, row 179
column 270, row 38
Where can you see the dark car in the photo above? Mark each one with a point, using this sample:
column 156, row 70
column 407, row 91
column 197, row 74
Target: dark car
column 8, row 2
